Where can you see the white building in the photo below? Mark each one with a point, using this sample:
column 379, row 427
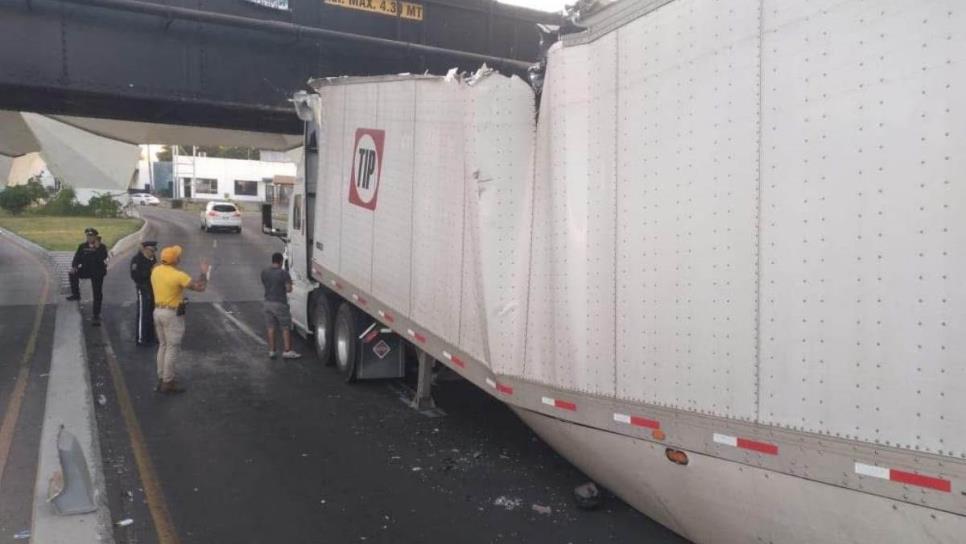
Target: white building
column 226, row 179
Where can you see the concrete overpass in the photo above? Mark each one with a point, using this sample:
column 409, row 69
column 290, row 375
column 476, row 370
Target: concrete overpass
column 233, row 64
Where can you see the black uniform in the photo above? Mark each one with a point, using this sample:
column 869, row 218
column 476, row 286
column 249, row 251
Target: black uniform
column 90, row 263
column 141, row 274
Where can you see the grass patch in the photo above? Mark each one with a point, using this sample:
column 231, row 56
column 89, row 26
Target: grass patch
column 64, row 233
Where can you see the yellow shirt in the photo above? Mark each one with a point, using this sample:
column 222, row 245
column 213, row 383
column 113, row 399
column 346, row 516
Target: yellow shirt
column 168, row 284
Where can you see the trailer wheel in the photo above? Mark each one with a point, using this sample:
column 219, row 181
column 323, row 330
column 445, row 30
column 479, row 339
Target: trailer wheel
column 322, row 319
column 346, row 340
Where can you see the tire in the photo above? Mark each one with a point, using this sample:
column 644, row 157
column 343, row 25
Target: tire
column 323, row 325
column 238, row 230
column 346, row 341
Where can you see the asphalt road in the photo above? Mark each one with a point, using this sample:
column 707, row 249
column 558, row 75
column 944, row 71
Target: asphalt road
column 265, row 451
column 26, row 327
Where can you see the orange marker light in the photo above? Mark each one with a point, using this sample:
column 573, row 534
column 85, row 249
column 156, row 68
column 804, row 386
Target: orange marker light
column 676, row 456
column 658, row 434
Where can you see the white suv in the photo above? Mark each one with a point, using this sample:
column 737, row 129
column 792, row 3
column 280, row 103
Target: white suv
column 221, row 215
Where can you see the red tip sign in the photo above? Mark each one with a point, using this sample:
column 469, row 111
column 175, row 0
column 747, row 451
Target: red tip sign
column 366, row 167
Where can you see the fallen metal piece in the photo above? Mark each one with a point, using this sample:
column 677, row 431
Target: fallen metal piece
column 541, row 509
column 71, row 491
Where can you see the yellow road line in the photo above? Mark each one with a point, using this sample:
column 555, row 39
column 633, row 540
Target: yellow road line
column 12, row 414
column 163, row 524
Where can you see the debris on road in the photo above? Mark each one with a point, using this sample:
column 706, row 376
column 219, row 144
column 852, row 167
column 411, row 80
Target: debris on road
column 22, row 535
column 101, row 399
column 541, row 509
column 587, row 496
column 507, row 502
column 124, row 522
column 417, row 469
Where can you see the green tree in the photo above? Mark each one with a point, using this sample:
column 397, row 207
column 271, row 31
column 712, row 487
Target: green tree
column 15, row 199
column 63, row 203
column 104, row 206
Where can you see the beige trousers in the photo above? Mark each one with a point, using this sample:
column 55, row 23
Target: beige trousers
column 170, row 329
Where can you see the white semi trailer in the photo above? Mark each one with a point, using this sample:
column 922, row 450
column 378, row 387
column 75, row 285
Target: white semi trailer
column 722, row 269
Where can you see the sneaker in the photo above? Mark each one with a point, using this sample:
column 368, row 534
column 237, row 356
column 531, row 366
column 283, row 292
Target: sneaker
column 73, row 297
column 272, row 355
column 291, row 355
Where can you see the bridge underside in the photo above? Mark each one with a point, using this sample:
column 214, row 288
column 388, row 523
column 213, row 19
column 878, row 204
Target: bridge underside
column 234, row 64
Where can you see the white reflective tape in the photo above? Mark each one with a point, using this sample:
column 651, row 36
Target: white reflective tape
column 872, row 470
column 622, row 418
column 385, row 330
column 491, row 383
column 548, row 401
column 355, row 297
column 410, row 332
column 333, row 282
column 448, row 355
column 367, row 331
column 726, row 440
column 382, row 314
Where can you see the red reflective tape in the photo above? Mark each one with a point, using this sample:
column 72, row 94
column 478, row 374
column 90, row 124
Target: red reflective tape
column 644, row 422
column 371, row 336
column 505, row 389
column 565, row 405
column 920, row 480
column 338, row 285
column 762, row 447
column 457, row 361
column 388, row 317
column 419, row 338
column 362, row 301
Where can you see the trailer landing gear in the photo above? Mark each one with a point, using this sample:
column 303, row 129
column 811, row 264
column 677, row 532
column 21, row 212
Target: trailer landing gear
column 423, row 399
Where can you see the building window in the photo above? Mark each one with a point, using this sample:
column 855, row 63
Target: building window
column 245, row 187
column 206, row 186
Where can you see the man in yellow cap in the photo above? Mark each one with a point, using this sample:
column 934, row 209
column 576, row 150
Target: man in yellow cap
column 168, row 284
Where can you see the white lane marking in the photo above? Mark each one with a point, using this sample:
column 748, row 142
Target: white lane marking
column 238, row 323
column 214, row 243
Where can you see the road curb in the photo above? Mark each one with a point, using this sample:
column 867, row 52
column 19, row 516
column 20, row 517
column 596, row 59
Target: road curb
column 131, row 240
column 26, row 244
column 69, row 404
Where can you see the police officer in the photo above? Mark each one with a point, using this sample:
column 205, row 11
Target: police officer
column 141, row 266
column 90, row 262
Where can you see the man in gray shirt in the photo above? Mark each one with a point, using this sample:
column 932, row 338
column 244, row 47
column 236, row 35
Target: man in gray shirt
column 278, row 284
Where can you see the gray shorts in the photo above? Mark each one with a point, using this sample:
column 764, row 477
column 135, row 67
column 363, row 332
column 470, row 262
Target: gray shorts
column 277, row 315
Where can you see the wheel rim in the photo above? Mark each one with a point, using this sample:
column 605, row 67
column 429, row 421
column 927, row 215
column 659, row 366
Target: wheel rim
column 321, row 330
column 342, row 344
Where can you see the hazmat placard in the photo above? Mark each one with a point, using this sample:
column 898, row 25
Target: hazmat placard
column 411, row 11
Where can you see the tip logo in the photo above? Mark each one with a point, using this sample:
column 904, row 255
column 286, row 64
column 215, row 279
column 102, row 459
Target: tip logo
column 366, row 167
